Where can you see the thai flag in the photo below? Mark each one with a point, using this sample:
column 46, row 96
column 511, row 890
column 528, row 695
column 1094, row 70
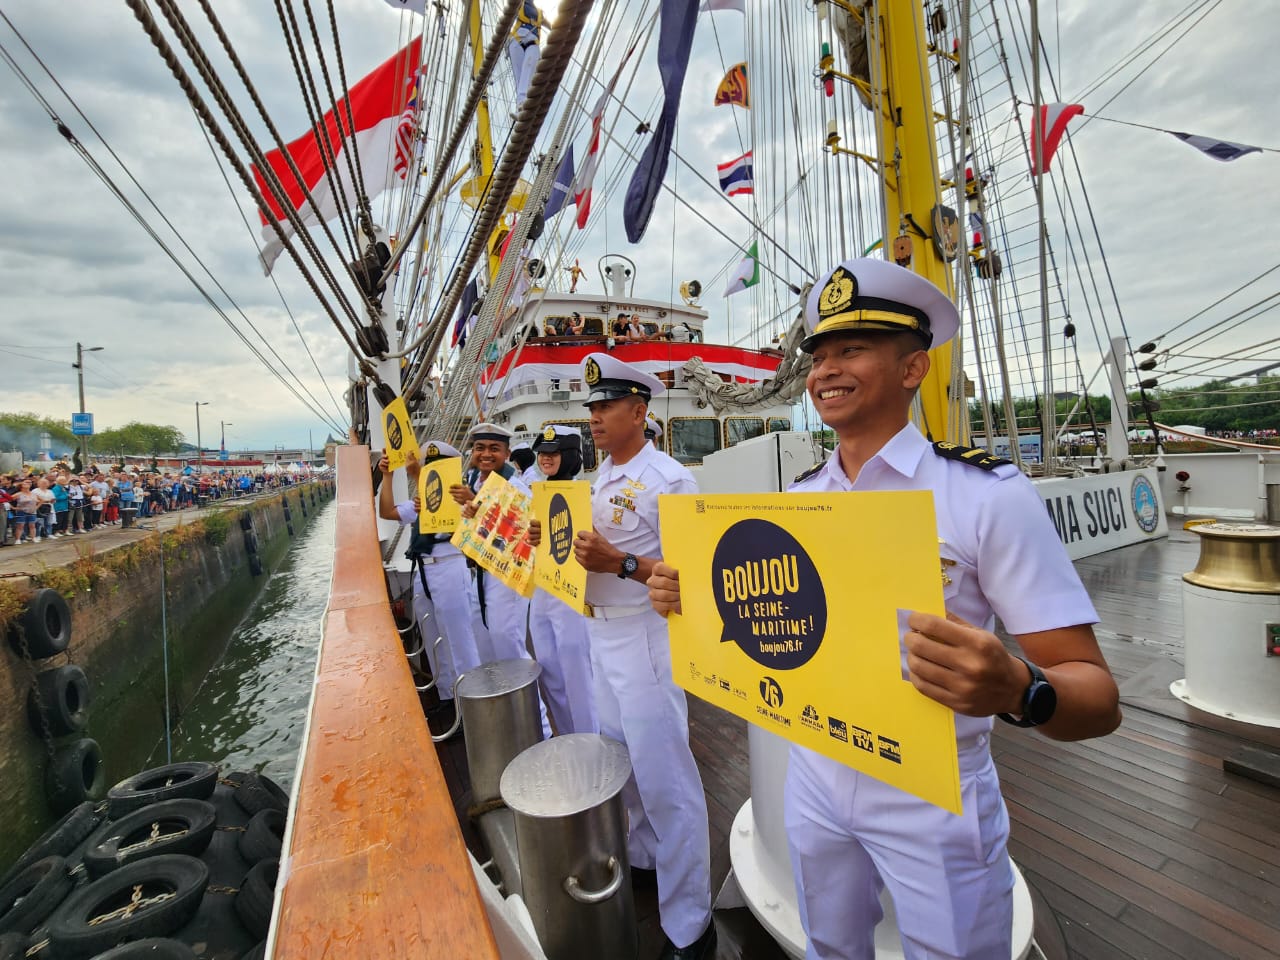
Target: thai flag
column 736, row 175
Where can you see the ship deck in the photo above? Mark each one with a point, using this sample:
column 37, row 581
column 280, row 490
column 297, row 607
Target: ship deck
column 1136, row 845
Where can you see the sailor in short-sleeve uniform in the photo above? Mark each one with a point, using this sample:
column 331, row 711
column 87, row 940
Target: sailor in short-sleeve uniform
column 637, row 701
column 847, row 832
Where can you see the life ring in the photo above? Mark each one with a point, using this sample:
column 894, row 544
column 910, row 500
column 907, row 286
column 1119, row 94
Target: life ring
column 74, row 775
column 33, row 894
column 253, row 902
column 168, row 892
column 190, row 780
column 170, row 826
column 263, row 838
column 45, row 625
column 59, row 701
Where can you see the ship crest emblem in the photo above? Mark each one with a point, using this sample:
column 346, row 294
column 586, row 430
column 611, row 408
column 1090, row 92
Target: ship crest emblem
column 592, row 372
column 433, row 450
column 838, row 294
column 549, row 433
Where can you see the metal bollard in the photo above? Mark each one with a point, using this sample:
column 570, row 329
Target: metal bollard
column 497, row 703
column 566, row 795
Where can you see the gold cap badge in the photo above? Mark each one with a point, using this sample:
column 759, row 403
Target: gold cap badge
column 433, row 450
column 837, row 296
column 592, row 373
column 549, row 433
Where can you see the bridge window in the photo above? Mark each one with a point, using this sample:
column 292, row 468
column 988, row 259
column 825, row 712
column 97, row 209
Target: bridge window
column 737, row 429
column 693, row 438
column 779, row 424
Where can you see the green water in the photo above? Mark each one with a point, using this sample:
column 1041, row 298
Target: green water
column 251, row 709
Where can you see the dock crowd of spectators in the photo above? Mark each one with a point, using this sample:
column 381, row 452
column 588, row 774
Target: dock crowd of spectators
column 37, row 505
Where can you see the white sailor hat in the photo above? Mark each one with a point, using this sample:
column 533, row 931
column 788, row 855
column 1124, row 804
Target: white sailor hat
column 555, row 437
column 438, row 450
column 866, row 294
column 609, row 378
column 489, row 431
column 522, row 445
column 652, row 428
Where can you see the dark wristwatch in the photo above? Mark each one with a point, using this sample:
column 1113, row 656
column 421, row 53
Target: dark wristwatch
column 1038, row 703
column 629, row 566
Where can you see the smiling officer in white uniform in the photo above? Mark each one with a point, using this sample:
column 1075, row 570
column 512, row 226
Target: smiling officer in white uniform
column 636, row 700
column 870, row 323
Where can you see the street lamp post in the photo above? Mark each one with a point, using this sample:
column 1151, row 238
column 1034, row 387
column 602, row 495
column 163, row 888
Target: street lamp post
column 225, row 424
column 79, row 365
column 199, row 444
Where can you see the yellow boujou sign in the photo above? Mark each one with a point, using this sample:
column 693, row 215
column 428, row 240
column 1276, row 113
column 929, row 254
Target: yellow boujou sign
column 402, row 445
column 564, row 508
column 439, row 512
column 794, row 606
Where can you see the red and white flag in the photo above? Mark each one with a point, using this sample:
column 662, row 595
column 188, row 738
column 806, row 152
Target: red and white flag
column 1053, row 118
column 587, row 173
column 381, row 125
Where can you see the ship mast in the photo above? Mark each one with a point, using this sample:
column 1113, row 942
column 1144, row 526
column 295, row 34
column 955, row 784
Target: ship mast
column 903, row 103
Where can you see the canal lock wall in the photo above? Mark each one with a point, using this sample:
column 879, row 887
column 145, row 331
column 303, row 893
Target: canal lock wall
column 209, row 570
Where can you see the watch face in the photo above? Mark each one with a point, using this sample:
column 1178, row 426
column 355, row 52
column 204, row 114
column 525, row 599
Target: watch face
column 1042, row 700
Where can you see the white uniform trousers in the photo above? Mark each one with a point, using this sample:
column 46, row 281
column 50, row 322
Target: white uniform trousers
column 524, row 60
column 560, row 644
column 949, row 877
column 639, row 704
column 449, row 581
column 506, row 634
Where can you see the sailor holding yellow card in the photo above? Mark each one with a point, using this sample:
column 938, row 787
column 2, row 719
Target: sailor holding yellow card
column 870, row 325
column 636, row 699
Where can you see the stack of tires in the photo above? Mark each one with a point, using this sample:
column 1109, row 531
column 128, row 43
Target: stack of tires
column 178, row 862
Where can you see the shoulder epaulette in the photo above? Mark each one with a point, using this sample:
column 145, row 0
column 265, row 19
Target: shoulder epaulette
column 800, row 478
column 974, row 456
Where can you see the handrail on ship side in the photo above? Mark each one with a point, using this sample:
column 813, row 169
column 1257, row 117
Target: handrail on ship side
column 376, row 864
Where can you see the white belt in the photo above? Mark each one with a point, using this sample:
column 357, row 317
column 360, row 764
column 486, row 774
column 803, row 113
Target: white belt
column 597, row 612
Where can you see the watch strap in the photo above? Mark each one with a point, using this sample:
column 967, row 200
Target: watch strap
column 1037, row 676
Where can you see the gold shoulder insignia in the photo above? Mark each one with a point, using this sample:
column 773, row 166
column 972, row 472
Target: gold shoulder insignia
column 974, row 456
column 810, row 472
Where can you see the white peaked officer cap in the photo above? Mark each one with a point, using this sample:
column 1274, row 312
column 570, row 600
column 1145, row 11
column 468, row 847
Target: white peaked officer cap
column 438, row 450
column 555, row 437
column 609, row 378
column 865, row 294
column 489, row 431
column 652, row 426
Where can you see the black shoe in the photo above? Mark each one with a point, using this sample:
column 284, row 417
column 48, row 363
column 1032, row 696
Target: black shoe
column 704, row 948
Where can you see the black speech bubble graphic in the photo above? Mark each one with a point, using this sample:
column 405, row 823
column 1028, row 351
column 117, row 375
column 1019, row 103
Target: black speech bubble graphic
column 560, row 528
column 395, row 438
column 434, row 488
column 771, row 600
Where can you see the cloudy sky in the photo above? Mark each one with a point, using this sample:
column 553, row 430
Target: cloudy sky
column 1180, row 230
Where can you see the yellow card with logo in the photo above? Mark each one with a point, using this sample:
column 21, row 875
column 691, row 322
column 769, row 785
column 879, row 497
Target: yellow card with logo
column 497, row 537
column 439, row 513
column 401, row 443
column 794, row 606
column 564, row 508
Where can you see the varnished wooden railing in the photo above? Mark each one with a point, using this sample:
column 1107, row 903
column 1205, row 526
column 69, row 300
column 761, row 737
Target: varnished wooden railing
column 376, row 864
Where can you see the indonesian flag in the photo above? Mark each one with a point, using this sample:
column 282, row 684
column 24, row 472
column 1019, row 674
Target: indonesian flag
column 1053, row 118
column 382, row 108
column 582, row 194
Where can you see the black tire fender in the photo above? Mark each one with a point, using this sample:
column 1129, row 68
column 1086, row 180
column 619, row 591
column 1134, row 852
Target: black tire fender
column 289, row 527
column 255, row 564
column 93, row 920
column 74, row 775
column 45, row 624
column 246, row 521
column 59, row 840
column 59, row 698
column 259, row 792
column 168, row 827
column 152, row 948
column 254, row 900
column 33, row 894
column 250, row 542
column 191, row 780
column 263, row 838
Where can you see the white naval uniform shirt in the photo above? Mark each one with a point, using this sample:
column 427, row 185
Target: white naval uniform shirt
column 1009, row 561
column 624, row 510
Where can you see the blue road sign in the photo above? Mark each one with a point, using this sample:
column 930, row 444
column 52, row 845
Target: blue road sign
column 82, row 424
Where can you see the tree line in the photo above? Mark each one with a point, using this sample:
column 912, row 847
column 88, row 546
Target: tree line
column 1218, row 405
column 23, row 431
